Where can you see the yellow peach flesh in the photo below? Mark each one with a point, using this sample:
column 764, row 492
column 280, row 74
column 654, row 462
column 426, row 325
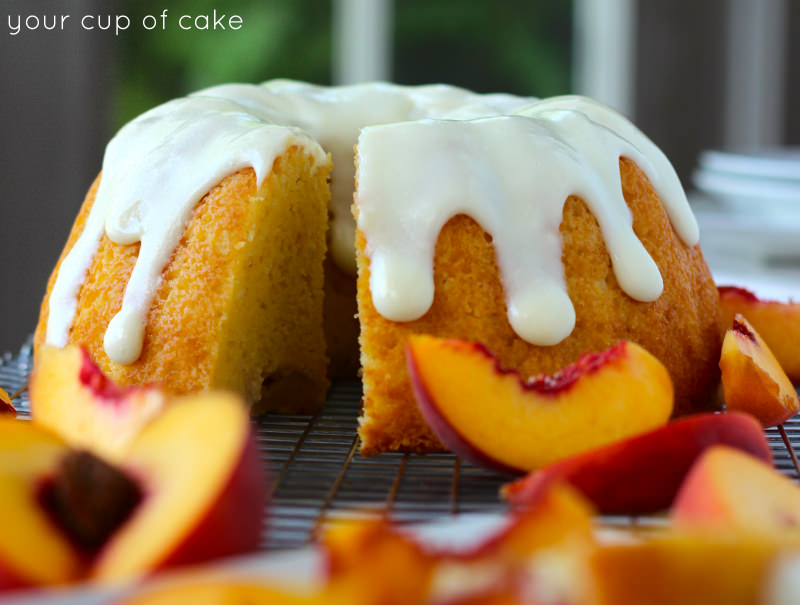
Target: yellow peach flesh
column 689, row 568
column 525, row 429
column 32, row 547
column 728, row 489
column 183, row 461
column 227, row 592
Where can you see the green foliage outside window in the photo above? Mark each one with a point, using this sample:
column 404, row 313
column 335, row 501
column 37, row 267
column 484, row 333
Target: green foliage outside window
column 517, row 46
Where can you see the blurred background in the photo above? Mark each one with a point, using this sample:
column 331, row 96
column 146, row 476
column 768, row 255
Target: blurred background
column 712, row 83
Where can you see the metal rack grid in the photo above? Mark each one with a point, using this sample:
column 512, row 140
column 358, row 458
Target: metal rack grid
column 317, row 474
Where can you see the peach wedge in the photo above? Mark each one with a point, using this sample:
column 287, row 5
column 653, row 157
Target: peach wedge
column 752, row 379
column 778, row 324
column 34, row 550
column 190, row 489
column 642, row 474
column 728, row 489
column 233, row 591
column 203, row 490
column 489, row 415
column 6, row 405
column 375, row 563
column 72, row 397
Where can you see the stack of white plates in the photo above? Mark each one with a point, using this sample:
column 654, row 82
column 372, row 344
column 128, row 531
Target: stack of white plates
column 763, row 182
column 749, row 203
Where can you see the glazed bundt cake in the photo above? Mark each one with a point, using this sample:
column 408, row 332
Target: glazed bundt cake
column 199, row 258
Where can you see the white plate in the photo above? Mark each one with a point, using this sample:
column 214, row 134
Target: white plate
column 751, row 195
column 780, row 163
column 745, row 239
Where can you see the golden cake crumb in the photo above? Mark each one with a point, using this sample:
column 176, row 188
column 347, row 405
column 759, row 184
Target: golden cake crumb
column 240, row 303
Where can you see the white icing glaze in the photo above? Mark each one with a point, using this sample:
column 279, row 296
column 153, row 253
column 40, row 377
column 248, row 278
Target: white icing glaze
column 159, row 165
column 154, row 172
column 334, row 117
column 512, row 174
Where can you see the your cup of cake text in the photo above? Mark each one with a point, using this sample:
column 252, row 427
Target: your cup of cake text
column 20, row 24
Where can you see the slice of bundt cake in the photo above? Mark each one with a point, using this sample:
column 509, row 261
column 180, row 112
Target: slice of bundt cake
column 544, row 235
column 177, row 274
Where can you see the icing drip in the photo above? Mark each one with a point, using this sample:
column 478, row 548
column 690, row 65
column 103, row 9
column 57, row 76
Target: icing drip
column 512, row 174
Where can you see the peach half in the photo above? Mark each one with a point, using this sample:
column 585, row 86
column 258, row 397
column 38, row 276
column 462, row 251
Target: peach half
column 752, row 379
column 71, row 396
column 488, row 415
column 34, row 550
column 203, row 490
column 778, row 324
column 728, row 489
column 642, row 474
column 190, row 489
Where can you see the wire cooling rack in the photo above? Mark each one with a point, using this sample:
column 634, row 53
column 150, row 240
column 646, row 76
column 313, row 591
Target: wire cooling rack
column 317, row 475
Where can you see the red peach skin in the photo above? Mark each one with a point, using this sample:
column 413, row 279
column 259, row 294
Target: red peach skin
column 6, row 406
column 642, row 475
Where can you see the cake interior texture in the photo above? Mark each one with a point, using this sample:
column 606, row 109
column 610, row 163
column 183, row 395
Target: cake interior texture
column 681, row 327
column 239, row 305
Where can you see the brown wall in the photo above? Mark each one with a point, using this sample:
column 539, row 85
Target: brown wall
column 680, row 78
column 53, row 112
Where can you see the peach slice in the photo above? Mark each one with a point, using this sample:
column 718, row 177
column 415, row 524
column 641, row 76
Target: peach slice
column 690, row 568
column 222, row 592
column 752, row 379
column 778, row 324
column 542, row 551
column 541, row 556
column 728, row 489
column 642, row 474
column 6, row 406
column 203, row 488
column 34, row 550
column 557, row 514
column 488, row 415
column 70, row 396
column 370, row 559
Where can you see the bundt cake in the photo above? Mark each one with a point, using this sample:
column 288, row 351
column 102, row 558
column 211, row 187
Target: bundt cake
column 199, row 256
